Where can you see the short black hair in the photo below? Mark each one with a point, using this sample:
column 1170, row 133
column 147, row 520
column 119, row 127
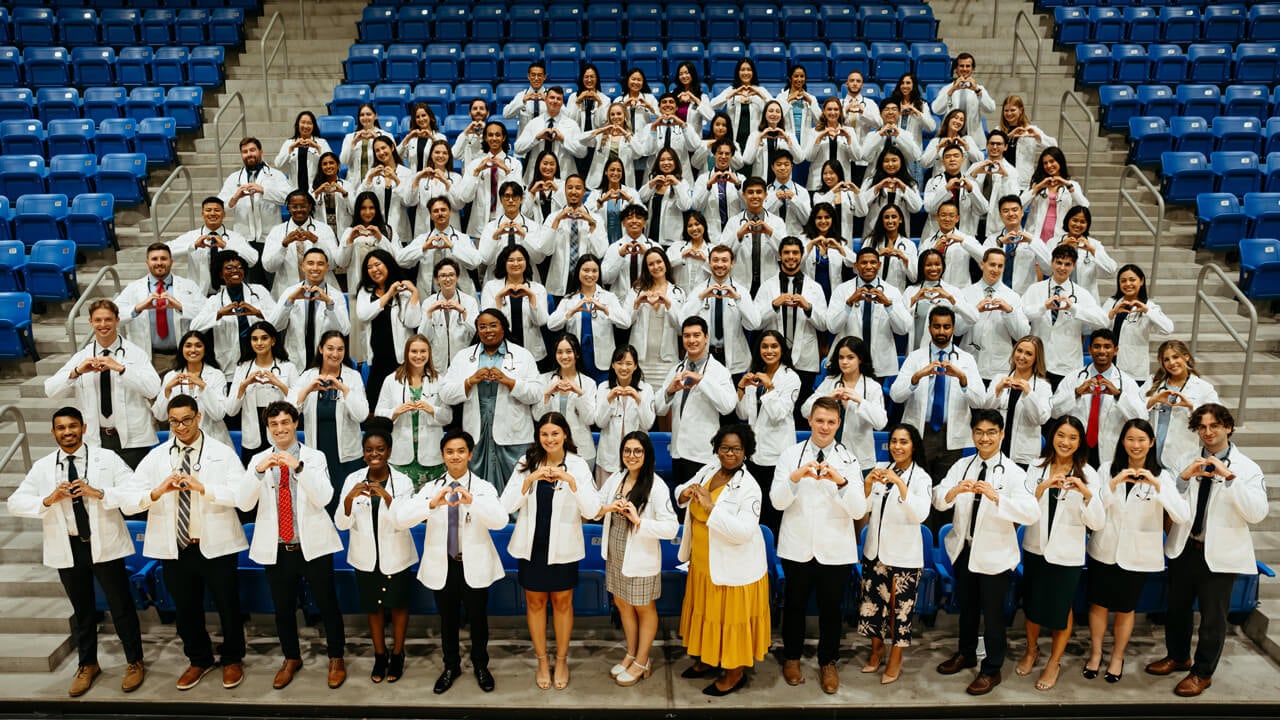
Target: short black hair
column 182, row 401
column 67, row 411
column 457, row 434
column 744, row 434
column 982, row 415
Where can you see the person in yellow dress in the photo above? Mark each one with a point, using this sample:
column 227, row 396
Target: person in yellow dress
column 725, row 620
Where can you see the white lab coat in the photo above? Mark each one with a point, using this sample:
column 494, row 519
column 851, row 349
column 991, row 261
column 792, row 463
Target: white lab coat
column 534, row 314
column 602, row 324
column 253, row 216
column 818, row 517
column 1062, row 347
column 512, row 421
column 1228, row 544
column 643, row 556
column 198, row 258
column 226, row 330
column 353, row 408
column 257, row 396
column 131, row 392
column 918, row 398
column 212, row 402
column 291, row 318
column 740, row 316
column 670, row 221
column 1179, row 436
column 578, row 410
column 1133, row 535
column 743, row 249
column 897, row 520
column 973, row 206
column 995, row 539
column 358, row 156
column 736, row 553
column 616, row 418
column 395, row 393
column 557, row 246
column 973, row 100
column 481, row 565
column 529, row 146
column 481, row 188
column 1033, row 410
column 990, row 337
column 406, row 316
column 807, row 323
column 137, row 327
column 569, row 508
column 774, row 412
column 1112, row 413
column 385, row 549
column 643, row 319
column 1063, row 543
column 316, row 533
column 449, row 331
column 1133, row 345
column 844, row 319
column 695, row 419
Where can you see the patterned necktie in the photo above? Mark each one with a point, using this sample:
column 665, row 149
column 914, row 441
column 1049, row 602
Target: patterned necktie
column 184, row 504
column 451, row 544
column 574, row 247
column 284, row 506
column 723, row 202
column 1057, row 292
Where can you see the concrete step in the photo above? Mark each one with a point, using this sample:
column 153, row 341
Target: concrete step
column 21, row 546
column 34, row 652
column 34, row 615
column 29, row 580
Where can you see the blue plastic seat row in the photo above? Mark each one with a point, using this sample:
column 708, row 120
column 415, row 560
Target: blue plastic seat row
column 87, row 219
column 1222, row 219
column 96, row 66
column 1119, row 103
column 1141, row 24
column 1217, row 63
column 81, row 137
column 123, row 27
column 185, row 104
column 1186, row 175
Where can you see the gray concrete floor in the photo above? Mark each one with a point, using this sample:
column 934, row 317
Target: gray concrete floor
column 1247, row 680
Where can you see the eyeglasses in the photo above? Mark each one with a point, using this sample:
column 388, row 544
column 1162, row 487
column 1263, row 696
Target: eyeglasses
column 183, row 423
column 985, row 433
column 633, row 452
column 727, row 450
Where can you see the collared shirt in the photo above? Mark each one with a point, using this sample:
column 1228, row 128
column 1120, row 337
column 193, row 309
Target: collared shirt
column 295, row 450
column 1182, row 486
column 194, row 524
column 171, row 341
column 116, row 351
column 485, row 360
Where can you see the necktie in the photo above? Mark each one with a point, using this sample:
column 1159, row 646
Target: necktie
column 822, row 456
column 1202, row 504
column 743, row 130
column 493, row 188
column 537, row 105
column 284, row 506
column 938, row 410
column 977, row 502
column 588, row 337
column 655, row 219
column 868, row 308
column 423, row 145
column 184, row 504
column 162, row 312
column 78, row 508
column 255, row 220
column 104, row 389
column 1095, row 410
column 797, row 118
column 588, row 109
column 987, row 183
column 772, row 149
column 365, row 158
column 755, row 258
column 574, row 247
column 1015, row 394
column 304, row 183
column 832, row 151
column 884, row 266
column 684, row 394
column 786, row 204
column 309, row 349
column 724, row 202
column 451, row 545
column 955, row 194
column 548, row 143
column 1057, row 292
column 717, row 319
column 666, row 141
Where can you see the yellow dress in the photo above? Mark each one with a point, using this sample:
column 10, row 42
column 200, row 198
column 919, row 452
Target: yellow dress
column 721, row 625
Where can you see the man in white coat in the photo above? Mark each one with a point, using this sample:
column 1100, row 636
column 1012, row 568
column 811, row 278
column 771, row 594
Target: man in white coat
column 717, row 193
column 288, row 242
column 1101, row 397
column 459, row 560
column 1023, row 253
column 294, row 537
column 254, row 195
column 817, row 486
column 113, row 381
column 964, row 93
column 1227, row 494
column 995, row 178
column 754, row 235
column 728, row 310
column 201, row 245
column 1001, row 321
column 75, row 492
column 795, row 308
column 310, row 308
column 1060, row 311
column 990, row 497
column 572, row 233
column 697, row 391
column 159, row 307
column 437, row 242
column 189, row 486
column 870, row 310
column 552, row 131
column 953, row 185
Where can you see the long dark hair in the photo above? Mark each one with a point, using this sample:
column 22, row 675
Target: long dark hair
column 579, row 364
column 315, row 125
column 394, row 273
column 915, row 99
column 1142, row 291
column 379, row 218
column 639, row 495
column 678, row 171
column 857, row 347
column 1078, row 460
column 902, row 173
column 318, row 361
column 618, row 354
column 879, row 237
column 695, row 84
column 535, row 455
column 645, row 281
column 917, row 443
column 1120, row 460
column 180, row 363
column 811, row 226
column 320, row 179
column 925, row 255
column 278, row 350
column 1056, row 154
column 784, row 360
column 575, row 282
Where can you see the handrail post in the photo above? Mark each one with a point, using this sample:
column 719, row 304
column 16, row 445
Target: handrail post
column 188, row 196
column 1085, row 139
column 70, row 324
column 1156, row 228
column 1019, row 42
column 20, row 442
column 302, row 19
column 220, row 141
column 1202, row 299
column 267, row 62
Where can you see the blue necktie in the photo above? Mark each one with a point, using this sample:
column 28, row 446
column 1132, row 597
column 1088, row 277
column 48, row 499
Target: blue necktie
column 588, row 339
column 939, row 397
column 724, row 203
column 452, row 548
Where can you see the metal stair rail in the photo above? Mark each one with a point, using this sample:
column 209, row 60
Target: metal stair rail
column 1073, row 98
column 1126, row 198
column 219, row 140
column 269, row 61
column 1203, row 299
column 187, row 198
column 85, row 296
column 1020, row 43
column 11, row 412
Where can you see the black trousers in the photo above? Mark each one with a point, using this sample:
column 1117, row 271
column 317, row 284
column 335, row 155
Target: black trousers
column 1190, row 578
column 187, row 577
column 770, row 516
column 77, row 580
column 131, row 456
column 284, row 578
column 938, row 461
column 829, row 582
column 981, row 598
column 450, row 599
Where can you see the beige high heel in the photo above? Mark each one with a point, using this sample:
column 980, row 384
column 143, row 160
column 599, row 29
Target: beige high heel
column 543, row 684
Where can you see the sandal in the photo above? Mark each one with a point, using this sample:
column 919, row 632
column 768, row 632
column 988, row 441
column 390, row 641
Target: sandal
column 562, row 682
column 395, row 669
column 1028, row 662
column 1042, row 684
column 379, row 667
column 543, row 681
column 621, row 667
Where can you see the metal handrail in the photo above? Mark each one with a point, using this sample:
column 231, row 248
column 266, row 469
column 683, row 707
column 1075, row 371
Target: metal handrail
column 268, row 62
column 1202, row 299
column 302, row 18
column 1123, row 198
column 20, row 442
column 1086, row 139
column 1019, row 42
column 85, row 297
column 220, row 141
column 188, row 197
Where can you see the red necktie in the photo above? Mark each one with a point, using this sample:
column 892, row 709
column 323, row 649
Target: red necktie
column 284, row 506
column 162, row 312
column 1095, row 408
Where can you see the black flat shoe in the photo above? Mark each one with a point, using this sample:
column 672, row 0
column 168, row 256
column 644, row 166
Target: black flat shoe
column 379, row 668
column 445, row 681
column 395, row 668
column 1089, row 674
column 1115, row 678
column 484, row 679
column 693, row 673
column 714, row 691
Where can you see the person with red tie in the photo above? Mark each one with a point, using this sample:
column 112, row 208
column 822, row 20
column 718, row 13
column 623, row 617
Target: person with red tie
column 1102, row 397
column 160, row 305
column 295, row 538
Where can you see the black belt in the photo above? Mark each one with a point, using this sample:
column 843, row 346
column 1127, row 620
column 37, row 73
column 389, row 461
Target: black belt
column 108, row 431
column 291, row 547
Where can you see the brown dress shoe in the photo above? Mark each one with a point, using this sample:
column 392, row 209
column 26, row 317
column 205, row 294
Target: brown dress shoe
column 956, row 663
column 1167, row 666
column 983, row 684
column 830, row 678
column 232, row 674
column 1192, row 685
column 192, row 676
column 286, row 673
column 791, row 672
column 337, row 673
column 85, row 675
column 134, row 674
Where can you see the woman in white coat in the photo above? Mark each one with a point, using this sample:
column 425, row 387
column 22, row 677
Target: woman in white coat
column 1094, row 260
column 800, row 109
column 952, row 133
column 590, row 314
column 299, row 155
column 381, row 551
column 330, row 395
column 196, row 373
column 636, row 506
column 742, row 102
column 655, row 304
column 845, row 197
column 411, row 399
column 1131, row 543
column 550, row 492
column 668, row 197
column 767, row 396
column 588, row 108
column 1071, row 503
column 522, row 301
column 263, row 376
column 1050, row 194
column 930, row 292
column 333, row 195
column 624, row 403
column 768, row 138
column 827, row 254
column 1175, row 391
column 357, row 147
column 436, row 179
column 1026, row 140
column 1134, row 319
column 724, row 621
column 418, row 144
column 850, row 382
column 891, row 184
column 570, row 390
column 614, row 139
column 1024, row 398
column 612, row 197
column 389, row 311
column 689, row 259
column 898, row 501
column 830, row 142
column 390, row 181
column 899, row 259
column 235, row 305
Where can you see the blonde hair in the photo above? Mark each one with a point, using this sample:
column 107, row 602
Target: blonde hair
column 1037, row 367
column 1162, row 375
column 1016, row 101
column 428, row 371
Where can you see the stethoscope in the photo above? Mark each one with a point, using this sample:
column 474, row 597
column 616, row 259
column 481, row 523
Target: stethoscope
column 195, row 466
column 735, row 482
column 1084, row 375
column 1086, row 258
column 839, row 450
column 998, row 484
column 508, row 357
column 60, row 462
column 594, row 304
column 1071, row 296
column 432, row 392
column 1142, row 491
column 446, row 480
column 1130, row 316
column 1061, row 493
column 619, row 404
column 117, row 352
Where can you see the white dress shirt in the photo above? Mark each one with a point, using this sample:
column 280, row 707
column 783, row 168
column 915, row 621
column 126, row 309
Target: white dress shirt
column 131, row 392
column 960, row 399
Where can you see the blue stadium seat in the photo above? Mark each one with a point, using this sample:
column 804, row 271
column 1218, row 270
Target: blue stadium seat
column 647, row 56
column 16, row 337
column 22, row 137
column 453, row 23
column 50, row 272
column 17, row 104
column 6, row 219
column 607, row 57
column 13, row 256
column 72, row 175
column 158, row 26
column 170, row 66
column 192, row 27
column 1157, row 100
column 69, row 136
column 590, row 596
column 1142, row 24
column 392, row 99
column 489, row 22
column 93, row 66
column 916, row 23
column 34, row 26
column 1199, row 99
column 877, row 23
column 347, row 99
column 724, row 20
column 1264, row 22
column 1130, row 63
column 1118, row 104
column 563, row 61
column 378, row 25
column 226, row 27
column 516, row 59
column 22, row 174
column 889, row 61
column 1272, row 134
column 771, row 61
column 437, row 95
column 684, row 22
column 1209, row 63
column 46, row 66
column 1191, row 133
column 1071, row 25
column 839, row 20
column 1263, row 212
column 364, row 63
column 156, row 139
column 1179, row 24
column 503, row 94
column 564, row 23
column 1093, row 64
column 932, row 62
column 440, row 62
column 1237, row 173
column 78, row 27
column 800, row 23
column 333, row 128
column 1184, row 175
column 723, row 57
column 528, row 22
column 119, row 26
column 644, row 22
column 1223, row 23
column 480, row 63
column 1237, row 133
column 403, row 63
column 822, row 91
column 814, row 57
column 455, row 123
column 10, row 67
column 104, row 103
column 1260, row 268
column 39, row 217
column 133, row 66
column 414, row 23
column 1248, row 100
column 144, row 102
column 1168, row 64
column 58, row 104
column 124, row 175
column 1106, row 24
column 1220, row 223
column 1148, row 138
column 206, row 64
column 464, row 93
column 604, row 21
column 1257, row 63
column 691, row 52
